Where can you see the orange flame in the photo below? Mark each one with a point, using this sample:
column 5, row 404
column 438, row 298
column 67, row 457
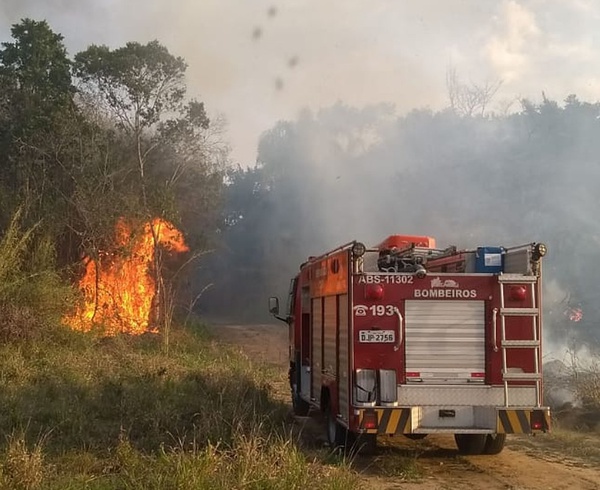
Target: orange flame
column 119, row 288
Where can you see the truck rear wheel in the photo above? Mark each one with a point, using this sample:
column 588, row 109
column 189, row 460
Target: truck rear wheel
column 341, row 439
column 494, row 443
column 337, row 435
column 300, row 407
column 470, row 443
column 363, row 443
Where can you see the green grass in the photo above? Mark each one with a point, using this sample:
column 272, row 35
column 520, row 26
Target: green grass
column 401, row 467
column 81, row 412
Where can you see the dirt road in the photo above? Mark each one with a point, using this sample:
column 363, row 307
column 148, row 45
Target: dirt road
column 525, row 464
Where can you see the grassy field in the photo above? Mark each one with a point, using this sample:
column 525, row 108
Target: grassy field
column 81, row 412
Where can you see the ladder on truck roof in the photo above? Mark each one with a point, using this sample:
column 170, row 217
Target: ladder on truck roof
column 534, row 343
column 413, row 252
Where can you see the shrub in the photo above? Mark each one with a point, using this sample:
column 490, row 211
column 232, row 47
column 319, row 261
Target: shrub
column 33, row 296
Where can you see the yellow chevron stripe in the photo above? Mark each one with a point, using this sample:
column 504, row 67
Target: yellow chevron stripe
column 515, row 423
column 392, row 427
column 508, row 422
column 388, row 420
column 500, row 429
column 407, row 425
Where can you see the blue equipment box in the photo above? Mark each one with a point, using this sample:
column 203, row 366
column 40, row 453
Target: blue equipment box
column 489, row 260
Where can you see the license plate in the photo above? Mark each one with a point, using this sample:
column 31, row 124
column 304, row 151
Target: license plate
column 376, row 336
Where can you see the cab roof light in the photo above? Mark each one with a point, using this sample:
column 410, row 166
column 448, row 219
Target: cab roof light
column 539, row 250
column 358, row 249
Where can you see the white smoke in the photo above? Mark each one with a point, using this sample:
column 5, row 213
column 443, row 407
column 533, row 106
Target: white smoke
column 261, row 61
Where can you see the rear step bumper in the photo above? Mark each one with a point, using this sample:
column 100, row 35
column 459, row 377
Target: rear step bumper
column 464, row 420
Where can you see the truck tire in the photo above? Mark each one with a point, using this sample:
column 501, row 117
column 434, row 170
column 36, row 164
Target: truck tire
column 470, row 443
column 337, row 435
column 341, row 439
column 494, row 443
column 362, row 443
column 300, row 407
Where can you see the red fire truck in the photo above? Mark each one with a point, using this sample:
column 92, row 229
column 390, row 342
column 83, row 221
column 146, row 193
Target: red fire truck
column 405, row 338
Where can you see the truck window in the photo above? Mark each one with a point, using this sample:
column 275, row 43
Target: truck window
column 291, row 297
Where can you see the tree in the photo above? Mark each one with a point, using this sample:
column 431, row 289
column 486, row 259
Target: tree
column 35, row 66
column 469, row 99
column 138, row 84
column 169, row 164
column 37, row 94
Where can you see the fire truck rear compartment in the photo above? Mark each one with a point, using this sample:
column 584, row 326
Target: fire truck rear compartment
column 445, row 341
column 445, row 347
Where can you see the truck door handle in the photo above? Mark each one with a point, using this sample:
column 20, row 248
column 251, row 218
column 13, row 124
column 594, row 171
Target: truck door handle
column 495, row 327
column 400, row 326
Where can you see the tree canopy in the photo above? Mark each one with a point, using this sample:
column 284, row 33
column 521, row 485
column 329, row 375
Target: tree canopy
column 106, row 136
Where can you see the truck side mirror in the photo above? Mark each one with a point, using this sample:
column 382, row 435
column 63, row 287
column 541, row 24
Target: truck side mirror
column 274, row 306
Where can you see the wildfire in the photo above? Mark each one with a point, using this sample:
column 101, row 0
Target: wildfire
column 575, row 314
column 119, row 288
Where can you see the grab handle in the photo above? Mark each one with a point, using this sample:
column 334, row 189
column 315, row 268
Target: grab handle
column 495, row 327
column 400, row 327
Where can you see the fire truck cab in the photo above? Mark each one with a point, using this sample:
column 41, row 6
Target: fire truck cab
column 405, row 338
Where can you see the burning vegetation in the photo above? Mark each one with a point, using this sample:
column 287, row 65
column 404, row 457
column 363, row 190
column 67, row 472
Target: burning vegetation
column 121, row 287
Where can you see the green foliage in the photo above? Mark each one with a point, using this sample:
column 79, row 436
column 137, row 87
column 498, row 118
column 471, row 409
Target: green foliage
column 37, row 92
column 173, row 169
column 406, row 467
column 13, row 247
column 37, row 69
column 138, row 82
column 32, row 295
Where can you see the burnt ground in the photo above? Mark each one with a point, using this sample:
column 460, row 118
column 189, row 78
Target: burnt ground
column 565, row 460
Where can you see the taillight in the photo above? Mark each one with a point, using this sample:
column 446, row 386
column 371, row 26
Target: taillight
column 369, row 420
column 365, row 386
column 388, row 389
column 538, row 420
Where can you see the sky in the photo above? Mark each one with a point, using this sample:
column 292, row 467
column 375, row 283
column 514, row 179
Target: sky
column 259, row 61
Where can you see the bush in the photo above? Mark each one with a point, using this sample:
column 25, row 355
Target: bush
column 33, row 296
column 587, row 389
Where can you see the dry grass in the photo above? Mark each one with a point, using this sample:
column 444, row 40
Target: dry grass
column 582, row 448
column 22, row 468
column 121, row 413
